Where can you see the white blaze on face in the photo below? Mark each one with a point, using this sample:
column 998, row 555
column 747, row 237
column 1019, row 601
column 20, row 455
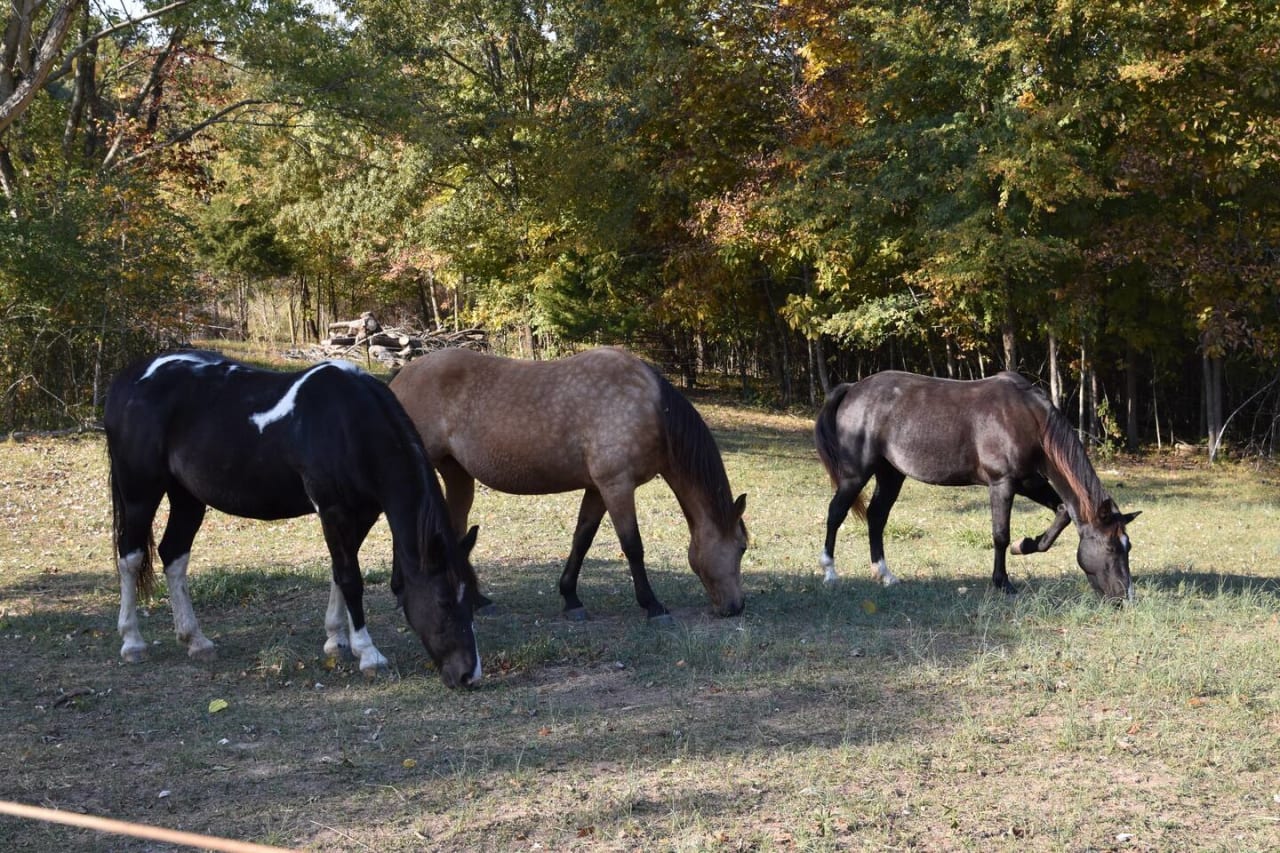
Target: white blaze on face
column 284, row 407
column 478, row 672
column 190, row 358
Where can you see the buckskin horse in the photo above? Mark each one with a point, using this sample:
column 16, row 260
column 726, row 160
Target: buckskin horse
column 1001, row 432
column 210, row 432
column 602, row 421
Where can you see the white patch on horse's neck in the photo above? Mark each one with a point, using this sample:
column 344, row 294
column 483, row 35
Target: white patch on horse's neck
column 191, row 358
column 284, row 407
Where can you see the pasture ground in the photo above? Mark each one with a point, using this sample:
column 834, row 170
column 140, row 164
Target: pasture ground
column 934, row 715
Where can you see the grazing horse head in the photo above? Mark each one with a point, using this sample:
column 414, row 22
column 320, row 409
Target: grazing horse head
column 1103, row 552
column 715, row 554
column 436, row 608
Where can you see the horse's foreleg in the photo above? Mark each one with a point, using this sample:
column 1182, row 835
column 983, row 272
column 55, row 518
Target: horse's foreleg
column 622, row 512
column 590, row 513
column 459, row 495
column 1001, row 506
column 888, row 486
column 845, row 498
column 343, row 533
column 337, row 641
column 186, row 514
column 459, row 492
column 1040, row 491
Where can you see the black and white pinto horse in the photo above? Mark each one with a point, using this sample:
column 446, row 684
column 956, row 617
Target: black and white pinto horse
column 1000, row 432
column 210, row 432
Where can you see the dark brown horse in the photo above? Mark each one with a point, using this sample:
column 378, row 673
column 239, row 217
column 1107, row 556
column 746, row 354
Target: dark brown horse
column 602, row 421
column 1001, row 432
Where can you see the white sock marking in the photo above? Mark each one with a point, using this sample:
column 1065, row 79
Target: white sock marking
column 284, row 407
column 335, row 622
column 362, row 645
column 134, row 647
column 828, row 564
column 880, row 571
column 184, row 614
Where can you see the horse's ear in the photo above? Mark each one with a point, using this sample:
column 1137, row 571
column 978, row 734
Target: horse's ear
column 740, row 505
column 469, row 541
column 1130, row 516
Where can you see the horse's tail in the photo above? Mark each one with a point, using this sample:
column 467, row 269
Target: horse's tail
column 145, row 581
column 692, row 452
column 824, row 431
column 827, row 440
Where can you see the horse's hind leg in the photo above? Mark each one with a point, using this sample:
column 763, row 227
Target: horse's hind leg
column 590, row 513
column 134, row 515
column 888, row 484
column 1001, row 505
column 1039, row 490
column 186, row 514
column 845, row 499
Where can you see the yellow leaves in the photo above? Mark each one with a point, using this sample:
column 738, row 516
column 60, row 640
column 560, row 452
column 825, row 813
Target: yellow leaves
column 218, row 705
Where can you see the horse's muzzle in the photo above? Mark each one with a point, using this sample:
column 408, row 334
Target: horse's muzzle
column 732, row 608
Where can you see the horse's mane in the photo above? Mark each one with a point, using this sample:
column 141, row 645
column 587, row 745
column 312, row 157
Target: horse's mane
column 692, row 453
column 1063, row 451
column 433, row 520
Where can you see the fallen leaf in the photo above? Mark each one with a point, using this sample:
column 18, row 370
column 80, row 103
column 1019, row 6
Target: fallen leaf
column 868, row 606
column 218, row 705
column 409, row 764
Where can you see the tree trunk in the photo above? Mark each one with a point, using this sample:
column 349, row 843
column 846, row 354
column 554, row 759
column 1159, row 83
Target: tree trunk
column 1212, row 370
column 1009, row 337
column 1081, row 424
column 824, row 378
column 1131, row 398
column 1055, row 376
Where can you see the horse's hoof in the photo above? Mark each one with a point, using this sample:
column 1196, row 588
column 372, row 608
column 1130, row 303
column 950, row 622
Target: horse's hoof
column 1026, row 546
column 133, row 655
column 577, row 614
column 487, row 609
column 662, row 620
column 1009, row 589
column 373, row 673
column 830, row 581
column 203, row 654
column 339, row 652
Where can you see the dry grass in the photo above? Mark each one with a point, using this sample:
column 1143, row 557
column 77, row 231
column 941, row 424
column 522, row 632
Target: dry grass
column 932, row 716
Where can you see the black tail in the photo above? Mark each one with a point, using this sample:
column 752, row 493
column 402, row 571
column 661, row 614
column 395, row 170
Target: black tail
column 824, row 431
column 146, row 580
column 827, row 440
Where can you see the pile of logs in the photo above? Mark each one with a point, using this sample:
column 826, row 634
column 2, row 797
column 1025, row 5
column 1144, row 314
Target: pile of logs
column 392, row 346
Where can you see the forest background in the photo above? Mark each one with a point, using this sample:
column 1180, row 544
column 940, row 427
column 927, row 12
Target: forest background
column 787, row 194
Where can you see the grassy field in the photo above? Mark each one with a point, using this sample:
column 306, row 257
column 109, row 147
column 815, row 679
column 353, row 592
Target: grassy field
column 933, row 715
